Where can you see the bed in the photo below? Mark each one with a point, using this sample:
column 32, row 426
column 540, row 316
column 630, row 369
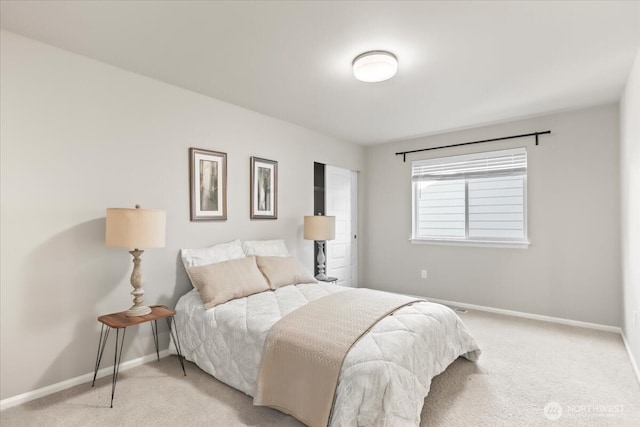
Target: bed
column 384, row 378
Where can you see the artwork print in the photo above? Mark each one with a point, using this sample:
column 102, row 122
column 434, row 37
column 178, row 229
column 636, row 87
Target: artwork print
column 208, row 184
column 264, row 189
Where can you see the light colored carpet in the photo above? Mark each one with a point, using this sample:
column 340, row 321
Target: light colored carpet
column 525, row 365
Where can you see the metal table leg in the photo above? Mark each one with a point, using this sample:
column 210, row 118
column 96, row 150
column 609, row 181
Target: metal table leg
column 177, row 342
column 154, row 331
column 101, row 345
column 116, row 362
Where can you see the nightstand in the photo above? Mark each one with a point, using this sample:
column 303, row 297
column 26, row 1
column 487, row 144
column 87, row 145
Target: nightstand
column 333, row 280
column 119, row 321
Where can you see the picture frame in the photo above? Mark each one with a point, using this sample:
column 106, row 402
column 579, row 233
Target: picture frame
column 207, row 185
column 264, row 189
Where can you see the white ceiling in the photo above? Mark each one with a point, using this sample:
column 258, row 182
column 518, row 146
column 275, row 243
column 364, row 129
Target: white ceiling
column 460, row 63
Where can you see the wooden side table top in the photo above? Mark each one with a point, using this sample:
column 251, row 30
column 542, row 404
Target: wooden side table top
column 121, row 320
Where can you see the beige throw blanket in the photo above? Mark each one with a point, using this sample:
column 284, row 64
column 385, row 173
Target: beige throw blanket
column 305, row 349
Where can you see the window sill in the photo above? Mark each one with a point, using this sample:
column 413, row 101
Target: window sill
column 477, row 243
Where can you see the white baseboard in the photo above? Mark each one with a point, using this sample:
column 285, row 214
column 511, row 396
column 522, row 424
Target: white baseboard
column 53, row 388
column 634, row 363
column 560, row 320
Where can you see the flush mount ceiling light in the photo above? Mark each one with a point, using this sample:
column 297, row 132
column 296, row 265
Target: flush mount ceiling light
column 375, row 66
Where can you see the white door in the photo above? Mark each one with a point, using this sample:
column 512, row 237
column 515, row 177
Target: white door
column 341, row 201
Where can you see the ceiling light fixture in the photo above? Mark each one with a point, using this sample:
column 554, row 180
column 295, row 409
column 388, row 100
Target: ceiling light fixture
column 375, row 66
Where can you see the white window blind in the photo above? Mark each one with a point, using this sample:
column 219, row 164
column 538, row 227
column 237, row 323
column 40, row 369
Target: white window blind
column 474, row 197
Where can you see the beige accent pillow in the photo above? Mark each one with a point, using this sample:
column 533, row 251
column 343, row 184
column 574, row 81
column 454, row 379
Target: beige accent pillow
column 211, row 255
column 282, row 271
column 224, row 281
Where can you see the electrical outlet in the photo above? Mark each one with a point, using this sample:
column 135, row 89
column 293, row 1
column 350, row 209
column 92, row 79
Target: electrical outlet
column 423, row 274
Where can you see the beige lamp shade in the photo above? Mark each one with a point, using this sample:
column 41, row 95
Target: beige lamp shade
column 135, row 228
column 319, row 227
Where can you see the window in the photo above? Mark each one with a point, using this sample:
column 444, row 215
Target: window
column 474, row 198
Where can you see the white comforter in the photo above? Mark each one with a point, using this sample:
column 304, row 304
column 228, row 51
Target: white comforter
column 385, row 376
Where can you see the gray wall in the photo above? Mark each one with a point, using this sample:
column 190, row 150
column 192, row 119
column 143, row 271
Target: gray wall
column 572, row 268
column 630, row 197
column 78, row 136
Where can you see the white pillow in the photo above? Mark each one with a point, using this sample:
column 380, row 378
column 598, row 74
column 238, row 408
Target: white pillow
column 265, row 248
column 211, row 255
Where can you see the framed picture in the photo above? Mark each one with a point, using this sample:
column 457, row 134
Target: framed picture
column 208, row 184
column 264, row 188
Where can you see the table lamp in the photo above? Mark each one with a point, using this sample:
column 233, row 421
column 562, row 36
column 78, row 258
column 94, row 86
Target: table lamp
column 135, row 229
column 320, row 228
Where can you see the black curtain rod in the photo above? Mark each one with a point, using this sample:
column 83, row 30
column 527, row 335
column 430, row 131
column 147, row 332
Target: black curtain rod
column 404, row 153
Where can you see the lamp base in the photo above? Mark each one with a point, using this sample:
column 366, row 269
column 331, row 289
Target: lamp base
column 321, row 277
column 136, row 281
column 141, row 310
column 322, row 274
